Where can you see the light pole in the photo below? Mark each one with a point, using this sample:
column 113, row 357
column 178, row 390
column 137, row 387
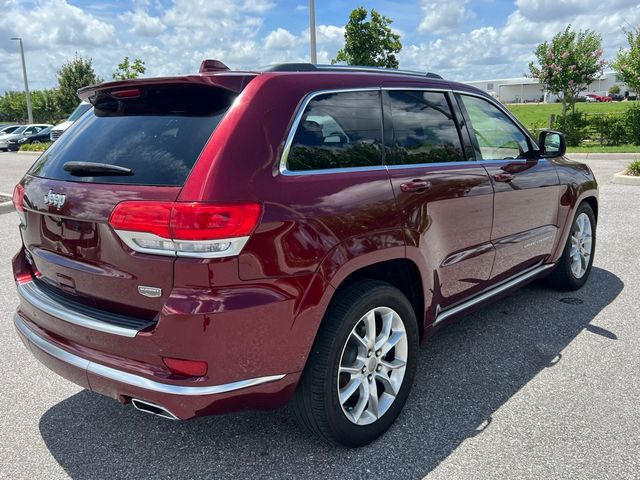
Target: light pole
column 312, row 30
column 26, row 82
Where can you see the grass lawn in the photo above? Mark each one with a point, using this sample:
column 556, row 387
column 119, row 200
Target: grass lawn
column 597, row 148
column 535, row 116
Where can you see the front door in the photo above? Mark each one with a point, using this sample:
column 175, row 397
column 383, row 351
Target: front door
column 527, row 189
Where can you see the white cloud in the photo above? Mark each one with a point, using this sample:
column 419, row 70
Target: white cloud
column 174, row 39
column 280, row 39
column 142, row 23
column 440, row 17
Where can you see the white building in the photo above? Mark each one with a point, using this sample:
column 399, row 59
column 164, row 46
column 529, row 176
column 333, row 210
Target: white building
column 524, row 90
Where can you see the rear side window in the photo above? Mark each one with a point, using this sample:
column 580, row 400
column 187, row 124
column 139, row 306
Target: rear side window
column 338, row 130
column 424, row 130
column 159, row 136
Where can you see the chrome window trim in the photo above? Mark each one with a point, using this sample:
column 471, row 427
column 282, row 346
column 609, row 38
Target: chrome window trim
column 294, row 127
column 305, row 102
column 30, row 292
column 130, row 378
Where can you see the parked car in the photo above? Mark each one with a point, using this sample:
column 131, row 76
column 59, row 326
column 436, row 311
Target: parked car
column 59, row 129
column 235, row 240
column 593, row 97
column 21, row 131
column 7, row 129
column 16, row 141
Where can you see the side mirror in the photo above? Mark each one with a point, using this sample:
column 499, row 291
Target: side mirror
column 552, row 144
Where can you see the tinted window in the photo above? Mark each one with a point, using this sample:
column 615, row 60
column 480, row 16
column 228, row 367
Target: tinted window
column 424, row 130
column 338, row 130
column 498, row 137
column 159, row 136
column 79, row 111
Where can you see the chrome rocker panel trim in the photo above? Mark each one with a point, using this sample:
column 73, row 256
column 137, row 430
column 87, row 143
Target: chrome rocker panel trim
column 442, row 316
column 130, row 378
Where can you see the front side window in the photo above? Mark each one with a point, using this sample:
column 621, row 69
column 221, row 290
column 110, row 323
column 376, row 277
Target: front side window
column 424, row 130
column 338, row 130
column 498, row 137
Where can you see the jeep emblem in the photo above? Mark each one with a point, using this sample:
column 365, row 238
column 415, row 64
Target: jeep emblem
column 54, row 199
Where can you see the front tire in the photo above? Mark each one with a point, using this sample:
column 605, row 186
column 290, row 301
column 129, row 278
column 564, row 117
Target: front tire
column 361, row 367
column 574, row 266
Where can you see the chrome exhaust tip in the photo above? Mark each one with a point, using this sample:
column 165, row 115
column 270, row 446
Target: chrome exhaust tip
column 152, row 408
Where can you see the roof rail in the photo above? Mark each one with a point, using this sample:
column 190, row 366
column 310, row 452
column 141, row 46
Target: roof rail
column 310, row 67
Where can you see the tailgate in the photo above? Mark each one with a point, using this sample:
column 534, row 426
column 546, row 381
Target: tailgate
column 79, row 255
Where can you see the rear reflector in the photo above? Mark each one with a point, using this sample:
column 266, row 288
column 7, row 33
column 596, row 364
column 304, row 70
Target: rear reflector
column 189, row 368
column 185, row 228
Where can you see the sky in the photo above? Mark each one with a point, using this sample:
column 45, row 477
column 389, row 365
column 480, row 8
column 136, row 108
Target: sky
column 459, row 39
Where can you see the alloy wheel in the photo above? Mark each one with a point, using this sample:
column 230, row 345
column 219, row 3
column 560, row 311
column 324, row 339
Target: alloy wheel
column 372, row 366
column 581, row 245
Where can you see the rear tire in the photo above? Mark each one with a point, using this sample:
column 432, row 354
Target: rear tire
column 574, row 267
column 355, row 384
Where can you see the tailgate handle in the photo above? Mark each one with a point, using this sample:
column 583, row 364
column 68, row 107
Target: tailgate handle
column 417, row 185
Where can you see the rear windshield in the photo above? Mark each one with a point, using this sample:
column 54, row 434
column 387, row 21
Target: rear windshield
column 158, row 135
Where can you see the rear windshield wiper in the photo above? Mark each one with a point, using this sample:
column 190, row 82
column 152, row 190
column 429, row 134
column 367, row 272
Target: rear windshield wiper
column 87, row 169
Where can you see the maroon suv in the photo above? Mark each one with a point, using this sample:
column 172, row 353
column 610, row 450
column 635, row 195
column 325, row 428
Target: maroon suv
column 233, row 240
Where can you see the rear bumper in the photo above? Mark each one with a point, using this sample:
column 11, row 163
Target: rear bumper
column 182, row 401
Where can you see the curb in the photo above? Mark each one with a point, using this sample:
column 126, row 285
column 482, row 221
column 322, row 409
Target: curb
column 623, row 179
column 6, row 206
column 603, row 156
column 29, row 153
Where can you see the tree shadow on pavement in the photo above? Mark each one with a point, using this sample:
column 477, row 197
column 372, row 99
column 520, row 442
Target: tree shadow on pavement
column 466, row 372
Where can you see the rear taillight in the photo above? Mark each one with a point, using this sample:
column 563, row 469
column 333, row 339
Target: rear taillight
column 189, row 229
column 18, row 202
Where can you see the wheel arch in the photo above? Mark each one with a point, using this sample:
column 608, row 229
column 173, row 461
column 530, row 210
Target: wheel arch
column 401, row 273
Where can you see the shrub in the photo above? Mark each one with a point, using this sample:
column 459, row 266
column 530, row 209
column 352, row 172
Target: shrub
column 575, row 130
column 35, row 147
column 614, row 90
column 632, row 123
column 634, row 168
column 610, row 129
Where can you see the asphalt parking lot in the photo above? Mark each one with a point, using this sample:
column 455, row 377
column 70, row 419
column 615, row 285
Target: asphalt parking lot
column 542, row 384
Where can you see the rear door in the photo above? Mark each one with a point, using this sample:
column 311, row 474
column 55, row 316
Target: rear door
column 156, row 133
column 527, row 189
column 445, row 199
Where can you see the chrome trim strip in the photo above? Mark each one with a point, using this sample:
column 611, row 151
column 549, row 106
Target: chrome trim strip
column 32, row 294
column 294, row 126
column 236, row 245
column 492, row 292
column 129, row 378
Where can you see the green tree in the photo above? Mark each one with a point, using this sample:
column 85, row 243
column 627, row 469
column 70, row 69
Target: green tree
column 13, row 107
column 127, row 70
column 73, row 75
column 627, row 62
column 568, row 64
column 614, row 90
column 370, row 43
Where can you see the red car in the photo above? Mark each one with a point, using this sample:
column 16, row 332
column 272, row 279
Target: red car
column 234, row 239
column 598, row 98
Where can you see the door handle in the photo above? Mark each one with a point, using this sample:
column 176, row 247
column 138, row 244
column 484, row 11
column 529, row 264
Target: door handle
column 503, row 177
column 416, row 185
